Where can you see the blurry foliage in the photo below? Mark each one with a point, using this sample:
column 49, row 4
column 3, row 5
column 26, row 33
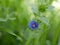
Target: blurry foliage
column 15, row 16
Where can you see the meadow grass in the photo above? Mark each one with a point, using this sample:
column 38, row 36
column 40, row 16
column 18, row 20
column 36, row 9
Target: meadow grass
column 15, row 16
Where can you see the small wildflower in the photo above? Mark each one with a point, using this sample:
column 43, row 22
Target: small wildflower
column 33, row 25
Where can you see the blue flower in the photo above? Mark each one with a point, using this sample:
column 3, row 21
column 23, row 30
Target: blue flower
column 33, row 25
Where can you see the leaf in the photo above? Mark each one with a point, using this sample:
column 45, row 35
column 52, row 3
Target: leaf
column 12, row 33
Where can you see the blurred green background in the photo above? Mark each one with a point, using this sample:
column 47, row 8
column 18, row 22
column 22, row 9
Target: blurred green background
column 15, row 16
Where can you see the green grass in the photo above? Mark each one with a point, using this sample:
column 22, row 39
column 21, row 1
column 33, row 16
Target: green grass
column 15, row 16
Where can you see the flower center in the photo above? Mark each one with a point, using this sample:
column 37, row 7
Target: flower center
column 33, row 25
